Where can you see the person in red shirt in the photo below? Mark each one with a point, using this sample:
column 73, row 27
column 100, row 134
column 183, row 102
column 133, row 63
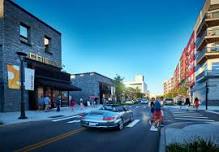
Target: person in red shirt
column 196, row 103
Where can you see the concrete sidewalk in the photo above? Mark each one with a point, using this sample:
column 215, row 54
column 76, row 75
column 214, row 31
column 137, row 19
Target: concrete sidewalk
column 12, row 117
column 188, row 131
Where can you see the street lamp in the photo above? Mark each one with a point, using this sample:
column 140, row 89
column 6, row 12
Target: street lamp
column 22, row 56
column 206, row 91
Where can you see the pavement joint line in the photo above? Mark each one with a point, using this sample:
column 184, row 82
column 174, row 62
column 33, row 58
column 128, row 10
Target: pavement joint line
column 61, row 119
column 74, row 121
column 49, row 141
column 191, row 119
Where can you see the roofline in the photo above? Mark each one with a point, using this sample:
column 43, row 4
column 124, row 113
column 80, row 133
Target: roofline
column 19, row 7
column 94, row 73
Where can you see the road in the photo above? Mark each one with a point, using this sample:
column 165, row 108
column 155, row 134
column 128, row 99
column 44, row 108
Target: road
column 67, row 135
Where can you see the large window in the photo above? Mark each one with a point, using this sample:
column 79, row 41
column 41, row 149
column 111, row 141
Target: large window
column 215, row 66
column 47, row 43
column 24, row 33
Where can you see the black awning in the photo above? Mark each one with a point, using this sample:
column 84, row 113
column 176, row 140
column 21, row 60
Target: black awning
column 63, row 86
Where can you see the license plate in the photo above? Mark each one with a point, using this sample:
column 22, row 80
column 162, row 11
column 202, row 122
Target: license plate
column 92, row 124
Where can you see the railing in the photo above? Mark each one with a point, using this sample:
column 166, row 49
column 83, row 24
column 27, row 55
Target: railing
column 207, row 73
column 212, row 15
column 209, row 33
column 208, row 50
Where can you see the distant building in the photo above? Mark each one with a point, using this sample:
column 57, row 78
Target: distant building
column 93, row 85
column 139, row 83
column 168, row 86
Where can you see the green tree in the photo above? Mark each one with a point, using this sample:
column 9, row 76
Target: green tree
column 119, row 86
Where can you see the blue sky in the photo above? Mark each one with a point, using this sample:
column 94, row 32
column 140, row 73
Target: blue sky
column 124, row 37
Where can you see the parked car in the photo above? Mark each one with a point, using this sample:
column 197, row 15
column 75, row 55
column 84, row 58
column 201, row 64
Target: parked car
column 144, row 101
column 130, row 102
column 168, row 101
column 109, row 116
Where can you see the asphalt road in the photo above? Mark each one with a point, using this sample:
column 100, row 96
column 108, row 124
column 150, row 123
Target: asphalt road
column 67, row 135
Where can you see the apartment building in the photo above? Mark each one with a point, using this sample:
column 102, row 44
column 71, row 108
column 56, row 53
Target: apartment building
column 21, row 31
column 198, row 68
column 168, row 85
column 207, row 56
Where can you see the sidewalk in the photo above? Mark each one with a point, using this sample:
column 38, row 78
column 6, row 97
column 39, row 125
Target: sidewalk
column 12, row 117
column 211, row 109
column 181, row 132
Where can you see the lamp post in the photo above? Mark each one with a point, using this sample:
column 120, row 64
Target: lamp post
column 22, row 56
column 206, row 91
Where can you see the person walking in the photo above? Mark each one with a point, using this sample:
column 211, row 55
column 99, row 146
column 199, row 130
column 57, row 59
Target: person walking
column 81, row 103
column 46, row 102
column 72, row 103
column 58, row 103
column 187, row 104
column 40, row 103
column 196, row 103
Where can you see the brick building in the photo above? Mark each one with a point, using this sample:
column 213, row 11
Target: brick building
column 93, row 85
column 22, row 31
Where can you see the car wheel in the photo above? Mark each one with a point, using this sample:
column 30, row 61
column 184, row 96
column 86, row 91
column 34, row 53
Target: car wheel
column 121, row 125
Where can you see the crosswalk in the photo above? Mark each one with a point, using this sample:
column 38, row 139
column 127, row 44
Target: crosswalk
column 195, row 116
column 76, row 120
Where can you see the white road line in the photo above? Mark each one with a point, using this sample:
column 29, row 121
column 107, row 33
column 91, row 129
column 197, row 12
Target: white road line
column 133, row 123
column 56, row 120
column 186, row 112
column 74, row 121
column 193, row 119
column 187, row 115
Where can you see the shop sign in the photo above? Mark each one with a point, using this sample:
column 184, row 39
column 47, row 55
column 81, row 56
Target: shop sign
column 29, row 79
column 39, row 58
column 14, row 77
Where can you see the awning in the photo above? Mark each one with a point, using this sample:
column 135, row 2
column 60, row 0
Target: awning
column 63, row 86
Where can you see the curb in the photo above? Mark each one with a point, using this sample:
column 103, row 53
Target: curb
column 162, row 144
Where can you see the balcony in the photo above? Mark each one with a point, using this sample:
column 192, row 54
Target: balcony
column 207, row 74
column 210, row 19
column 209, row 36
column 207, row 53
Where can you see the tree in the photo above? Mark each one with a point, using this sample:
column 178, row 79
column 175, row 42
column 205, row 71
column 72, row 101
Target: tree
column 119, row 86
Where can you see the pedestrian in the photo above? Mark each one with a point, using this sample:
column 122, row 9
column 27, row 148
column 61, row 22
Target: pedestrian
column 81, row 103
column 46, row 102
column 40, row 103
column 196, row 103
column 88, row 103
column 187, row 103
column 72, row 103
column 58, row 103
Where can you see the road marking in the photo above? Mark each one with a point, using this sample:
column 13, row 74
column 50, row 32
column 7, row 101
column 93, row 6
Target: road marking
column 193, row 119
column 61, row 119
column 49, row 141
column 186, row 115
column 133, row 123
column 74, row 121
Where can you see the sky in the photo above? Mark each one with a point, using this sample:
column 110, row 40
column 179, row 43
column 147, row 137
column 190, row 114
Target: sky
column 124, row 37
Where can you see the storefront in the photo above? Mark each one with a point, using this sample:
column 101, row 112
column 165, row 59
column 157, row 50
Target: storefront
column 49, row 81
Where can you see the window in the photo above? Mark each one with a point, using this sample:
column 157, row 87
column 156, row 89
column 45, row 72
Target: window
column 215, row 66
column 24, row 33
column 47, row 43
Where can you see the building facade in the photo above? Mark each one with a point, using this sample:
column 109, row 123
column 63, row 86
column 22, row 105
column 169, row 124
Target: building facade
column 93, row 85
column 207, row 56
column 198, row 68
column 139, row 83
column 21, row 31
